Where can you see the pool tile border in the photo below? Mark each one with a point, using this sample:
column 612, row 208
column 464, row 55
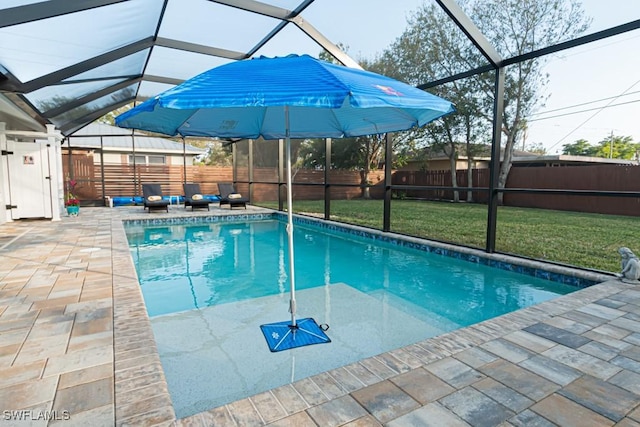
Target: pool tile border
column 207, row 219
column 554, row 273
column 559, row 274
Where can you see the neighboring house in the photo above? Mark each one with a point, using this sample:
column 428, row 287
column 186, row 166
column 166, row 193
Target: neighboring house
column 556, row 160
column 122, row 146
column 430, row 160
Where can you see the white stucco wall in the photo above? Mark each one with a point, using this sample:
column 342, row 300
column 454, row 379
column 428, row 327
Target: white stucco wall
column 56, row 191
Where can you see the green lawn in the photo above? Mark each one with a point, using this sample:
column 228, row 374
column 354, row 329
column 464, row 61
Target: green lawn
column 580, row 239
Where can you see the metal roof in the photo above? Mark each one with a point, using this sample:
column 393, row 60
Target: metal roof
column 70, row 62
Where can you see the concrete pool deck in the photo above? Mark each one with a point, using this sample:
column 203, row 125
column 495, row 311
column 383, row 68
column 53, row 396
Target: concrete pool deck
column 76, row 345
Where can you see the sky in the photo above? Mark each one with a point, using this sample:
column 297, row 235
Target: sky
column 605, row 71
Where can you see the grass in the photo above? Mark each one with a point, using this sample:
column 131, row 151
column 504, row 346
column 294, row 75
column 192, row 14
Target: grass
column 583, row 240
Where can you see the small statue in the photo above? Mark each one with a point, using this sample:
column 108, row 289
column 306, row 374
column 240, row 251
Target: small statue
column 630, row 265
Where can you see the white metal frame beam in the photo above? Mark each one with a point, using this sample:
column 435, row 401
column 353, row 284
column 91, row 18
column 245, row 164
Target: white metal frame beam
column 324, row 42
column 199, row 48
column 79, row 123
column 257, row 7
column 451, row 8
column 90, row 97
column 48, row 9
column 80, row 67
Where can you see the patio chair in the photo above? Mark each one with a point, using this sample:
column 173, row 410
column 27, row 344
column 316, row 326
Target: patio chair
column 228, row 196
column 193, row 197
column 153, row 198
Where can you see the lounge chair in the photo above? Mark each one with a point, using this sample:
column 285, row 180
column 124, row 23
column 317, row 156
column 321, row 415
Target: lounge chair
column 153, row 198
column 193, row 197
column 228, row 196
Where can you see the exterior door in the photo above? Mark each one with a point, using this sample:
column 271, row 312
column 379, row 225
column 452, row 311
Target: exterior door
column 29, row 180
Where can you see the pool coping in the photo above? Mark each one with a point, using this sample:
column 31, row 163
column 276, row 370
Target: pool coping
column 153, row 404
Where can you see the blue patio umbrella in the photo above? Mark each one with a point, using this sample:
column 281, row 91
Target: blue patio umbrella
column 282, row 98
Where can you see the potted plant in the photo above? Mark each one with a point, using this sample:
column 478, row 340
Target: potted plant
column 72, row 203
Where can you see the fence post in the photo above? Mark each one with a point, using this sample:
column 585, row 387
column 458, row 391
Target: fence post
column 386, row 216
column 327, row 170
column 184, row 161
column 234, row 162
column 102, row 183
column 280, row 173
column 498, row 110
column 250, row 171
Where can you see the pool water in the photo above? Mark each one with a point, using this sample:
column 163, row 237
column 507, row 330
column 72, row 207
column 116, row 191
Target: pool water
column 209, row 287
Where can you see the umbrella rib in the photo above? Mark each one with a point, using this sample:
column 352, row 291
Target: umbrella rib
column 282, row 340
column 185, row 121
column 313, row 333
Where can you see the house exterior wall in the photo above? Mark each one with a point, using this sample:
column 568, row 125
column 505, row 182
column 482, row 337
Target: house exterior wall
column 175, row 160
column 110, row 158
column 123, row 158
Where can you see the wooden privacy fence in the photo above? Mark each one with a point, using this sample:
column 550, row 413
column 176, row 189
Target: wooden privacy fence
column 596, row 178
column 126, row 180
column 84, row 172
column 610, row 178
column 441, row 178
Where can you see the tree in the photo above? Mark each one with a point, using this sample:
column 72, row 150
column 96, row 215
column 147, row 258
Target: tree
column 536, row 148
column 217, row 154
column 420, row 55
column 611, row 147
column 579, row 148
column 617, row 147
column 431, row 48
column 458, row 132
column 363, row 153
column 516, row 27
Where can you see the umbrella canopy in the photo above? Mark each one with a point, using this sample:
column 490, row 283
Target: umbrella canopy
column 289, row 97
column 246, row 99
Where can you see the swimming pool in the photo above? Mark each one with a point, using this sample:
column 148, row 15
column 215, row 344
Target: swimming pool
column 209, row 286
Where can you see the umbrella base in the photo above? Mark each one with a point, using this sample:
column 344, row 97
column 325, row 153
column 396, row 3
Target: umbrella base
column 284, row 336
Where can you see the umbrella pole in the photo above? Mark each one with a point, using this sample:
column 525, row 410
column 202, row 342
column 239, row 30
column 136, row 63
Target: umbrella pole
column 292, row 278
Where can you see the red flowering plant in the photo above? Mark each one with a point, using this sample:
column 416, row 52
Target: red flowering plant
column 71, row 199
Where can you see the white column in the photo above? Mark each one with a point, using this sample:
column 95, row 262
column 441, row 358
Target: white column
column 4, row 185
column 55, row 173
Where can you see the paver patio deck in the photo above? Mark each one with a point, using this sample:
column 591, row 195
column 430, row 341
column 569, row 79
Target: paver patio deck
column 76, row 343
